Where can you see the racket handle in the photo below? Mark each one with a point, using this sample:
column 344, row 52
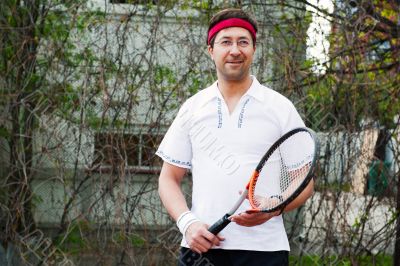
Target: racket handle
column 220, row 224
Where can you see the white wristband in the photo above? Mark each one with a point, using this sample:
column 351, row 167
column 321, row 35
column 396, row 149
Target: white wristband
column 185, row 220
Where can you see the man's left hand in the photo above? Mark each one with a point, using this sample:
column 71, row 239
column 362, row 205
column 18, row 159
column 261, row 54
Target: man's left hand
column 252, row 219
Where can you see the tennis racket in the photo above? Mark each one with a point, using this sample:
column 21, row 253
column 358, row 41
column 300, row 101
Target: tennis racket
column 280, row 176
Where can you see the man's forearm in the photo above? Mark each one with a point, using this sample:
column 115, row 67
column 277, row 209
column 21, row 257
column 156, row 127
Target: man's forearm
column 172, row 197
column 302, row 198
column 171, row 193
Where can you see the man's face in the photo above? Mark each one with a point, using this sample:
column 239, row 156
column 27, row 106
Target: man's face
column 231, row 55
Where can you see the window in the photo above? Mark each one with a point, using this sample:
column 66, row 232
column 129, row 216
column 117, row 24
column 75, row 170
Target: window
column 136, row 150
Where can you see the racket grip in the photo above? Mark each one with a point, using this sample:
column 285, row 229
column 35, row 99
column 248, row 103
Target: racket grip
column 220, row 224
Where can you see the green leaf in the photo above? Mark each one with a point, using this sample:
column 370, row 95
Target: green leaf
column 4, row 132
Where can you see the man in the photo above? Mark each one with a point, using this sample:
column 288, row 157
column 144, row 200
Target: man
column 220, row 134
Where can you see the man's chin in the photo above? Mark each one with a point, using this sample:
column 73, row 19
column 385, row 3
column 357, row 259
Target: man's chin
column 236, row 76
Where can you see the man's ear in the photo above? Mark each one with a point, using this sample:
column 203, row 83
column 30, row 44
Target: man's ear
column 210, row 51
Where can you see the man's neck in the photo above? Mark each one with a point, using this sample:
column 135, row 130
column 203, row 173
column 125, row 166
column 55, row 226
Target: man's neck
column 234, row 88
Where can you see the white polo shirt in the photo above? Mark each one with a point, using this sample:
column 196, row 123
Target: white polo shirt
column 222, row 150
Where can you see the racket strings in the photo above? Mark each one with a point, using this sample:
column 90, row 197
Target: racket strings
column 286, row 171
column 290, row 179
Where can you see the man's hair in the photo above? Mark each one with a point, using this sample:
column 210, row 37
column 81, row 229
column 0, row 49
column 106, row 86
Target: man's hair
column 231, row 13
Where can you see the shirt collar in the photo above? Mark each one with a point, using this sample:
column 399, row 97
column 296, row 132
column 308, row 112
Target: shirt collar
column 255, row 91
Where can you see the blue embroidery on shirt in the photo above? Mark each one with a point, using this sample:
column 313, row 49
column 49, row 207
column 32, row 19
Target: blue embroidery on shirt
column 219, row 112
column 171, row 160
column 240, row 121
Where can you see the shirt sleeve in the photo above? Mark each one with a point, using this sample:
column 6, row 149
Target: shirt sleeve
column 176, row 148
column 293, row 119
column 296, row 151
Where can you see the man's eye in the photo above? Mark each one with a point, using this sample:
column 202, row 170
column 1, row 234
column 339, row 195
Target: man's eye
column 243, row 43
column 226, row 43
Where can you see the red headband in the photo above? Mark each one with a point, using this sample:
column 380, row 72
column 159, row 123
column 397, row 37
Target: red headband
column 231, row 22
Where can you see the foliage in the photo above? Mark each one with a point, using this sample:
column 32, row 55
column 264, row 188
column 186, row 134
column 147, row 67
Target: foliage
column 381, row 260
column 87, row 90
column 362, row 79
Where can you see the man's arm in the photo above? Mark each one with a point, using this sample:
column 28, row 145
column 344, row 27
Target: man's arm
column 169, row 188
column 302, row 198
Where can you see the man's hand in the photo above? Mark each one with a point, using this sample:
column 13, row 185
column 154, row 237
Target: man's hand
column 256, row 218
column 252, row 219
column 199, row 239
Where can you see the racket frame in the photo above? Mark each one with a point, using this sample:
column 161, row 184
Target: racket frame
column 248, row 192
column 253, row 180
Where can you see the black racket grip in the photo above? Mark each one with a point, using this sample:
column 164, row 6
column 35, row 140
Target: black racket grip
column 220, row 224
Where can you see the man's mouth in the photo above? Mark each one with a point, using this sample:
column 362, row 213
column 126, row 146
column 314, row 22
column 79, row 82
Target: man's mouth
column 236, row 62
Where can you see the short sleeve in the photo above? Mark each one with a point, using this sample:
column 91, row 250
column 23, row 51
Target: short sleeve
column 293, row 119
column 175, row 148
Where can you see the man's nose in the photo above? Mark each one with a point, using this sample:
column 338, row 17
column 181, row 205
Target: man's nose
column 234, row 49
